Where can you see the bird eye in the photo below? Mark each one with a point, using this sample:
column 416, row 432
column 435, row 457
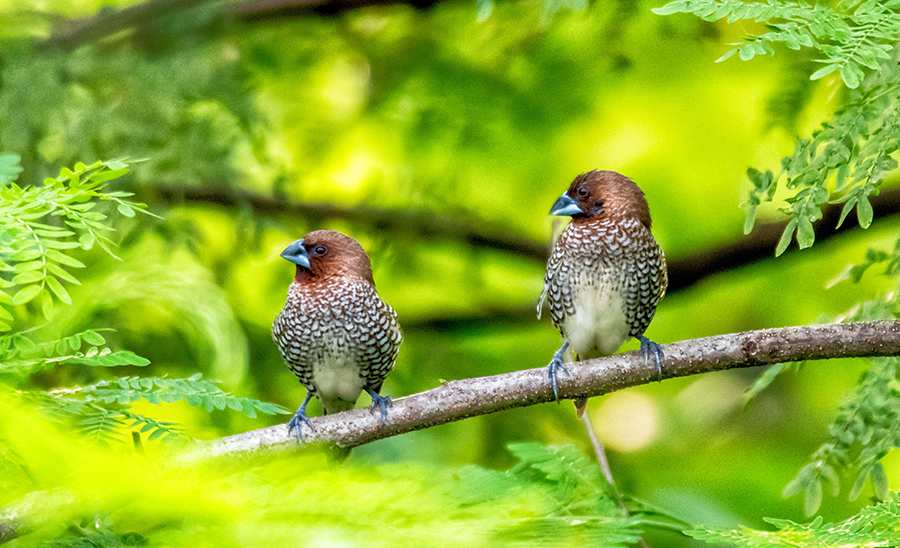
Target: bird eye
column 319, row 250
column 582, row 192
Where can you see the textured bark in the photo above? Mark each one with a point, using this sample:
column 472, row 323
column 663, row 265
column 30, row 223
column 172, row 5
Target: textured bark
column 457, row 400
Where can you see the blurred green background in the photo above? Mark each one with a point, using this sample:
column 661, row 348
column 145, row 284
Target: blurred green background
column 417, row 127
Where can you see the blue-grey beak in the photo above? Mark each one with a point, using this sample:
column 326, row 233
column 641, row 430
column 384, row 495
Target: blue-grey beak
column 565, row 206
column 297, row 254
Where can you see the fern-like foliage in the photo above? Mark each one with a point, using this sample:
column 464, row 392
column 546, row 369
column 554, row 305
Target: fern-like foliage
column 850, row 37
column 39, row 223
column 40, row 227
column 846, row 160
column 877, row 525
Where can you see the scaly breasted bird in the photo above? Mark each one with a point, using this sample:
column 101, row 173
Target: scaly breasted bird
column 606, row 273
column 334, row 331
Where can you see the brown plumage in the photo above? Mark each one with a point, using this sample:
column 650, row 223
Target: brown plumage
column 606, row 273
column 334, row 331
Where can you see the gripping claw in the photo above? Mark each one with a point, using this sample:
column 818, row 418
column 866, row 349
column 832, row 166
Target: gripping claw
column 379, row 401
column 556, row 364
column 300, row 416
column 648, row 346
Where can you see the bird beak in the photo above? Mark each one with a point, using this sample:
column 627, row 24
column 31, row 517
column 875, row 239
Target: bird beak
column 296, row 254
column 565, row 206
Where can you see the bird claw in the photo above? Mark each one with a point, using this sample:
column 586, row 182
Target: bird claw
column 379, row 401
column 557, row 363
column 300, row 417
column 648, row 346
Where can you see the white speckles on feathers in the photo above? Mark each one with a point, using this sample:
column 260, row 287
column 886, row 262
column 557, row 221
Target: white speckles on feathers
column 604, row 279
column 338, row 337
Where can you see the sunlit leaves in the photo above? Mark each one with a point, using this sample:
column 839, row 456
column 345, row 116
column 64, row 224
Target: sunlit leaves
column 846, row 160
column 848, row 40
column 875, row 526
column 40, row 225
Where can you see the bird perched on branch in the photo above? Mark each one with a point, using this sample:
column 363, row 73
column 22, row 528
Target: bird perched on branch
column 606, row 273
column 334, row 331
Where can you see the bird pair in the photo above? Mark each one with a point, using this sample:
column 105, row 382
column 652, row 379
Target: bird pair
column 605, row 277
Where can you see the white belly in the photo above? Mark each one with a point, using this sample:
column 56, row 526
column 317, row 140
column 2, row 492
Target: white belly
column 337, row 379
column 598, row 327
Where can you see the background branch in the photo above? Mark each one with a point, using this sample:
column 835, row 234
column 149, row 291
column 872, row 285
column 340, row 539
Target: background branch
column 457, row 400
column 684, row 272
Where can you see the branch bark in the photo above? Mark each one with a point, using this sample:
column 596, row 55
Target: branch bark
column 457, row 400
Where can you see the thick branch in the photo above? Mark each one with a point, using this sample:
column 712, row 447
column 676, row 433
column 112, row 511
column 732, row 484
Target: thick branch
column 461, row 399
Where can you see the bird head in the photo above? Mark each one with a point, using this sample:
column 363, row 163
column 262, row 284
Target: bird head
column 326, row 254
column 602, row 193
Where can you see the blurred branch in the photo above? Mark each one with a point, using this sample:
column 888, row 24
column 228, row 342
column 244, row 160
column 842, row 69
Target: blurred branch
column 78, row 32
column 457, row 400
column 684, row 272
column 424, row 224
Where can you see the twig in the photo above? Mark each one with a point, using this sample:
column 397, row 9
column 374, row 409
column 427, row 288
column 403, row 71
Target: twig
column 457, row 400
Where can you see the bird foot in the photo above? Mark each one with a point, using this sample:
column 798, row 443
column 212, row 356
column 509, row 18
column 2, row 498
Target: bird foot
column 380, row 402
column 295, row 421
column 556, row 364
column 300, row 417
column 648, row 346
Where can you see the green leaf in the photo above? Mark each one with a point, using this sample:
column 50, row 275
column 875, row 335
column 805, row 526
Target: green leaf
column 848, row 207
column 671, row 7
column 26, row 294
column 62, row 258
column 59, row 290
column 805, row 233
column 859, row 483
column 94, row 338
column 125, row 210
column 813, row 499
column 879, row 481
column 864, row 211
column 824, row 71
column 28, row 277
column 786, row 237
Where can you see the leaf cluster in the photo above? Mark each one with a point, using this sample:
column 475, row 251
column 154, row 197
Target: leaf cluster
column 846, row 160
column 103, row 410
column 850, row 37
column 39, row 224
column 40, row 227
column 877, row 525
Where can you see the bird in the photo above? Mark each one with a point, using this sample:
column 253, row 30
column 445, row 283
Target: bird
column 606, row 273
column 334, row 332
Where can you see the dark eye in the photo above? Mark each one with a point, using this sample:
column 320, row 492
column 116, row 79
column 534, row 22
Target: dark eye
column 319, row 250
column 582, row 192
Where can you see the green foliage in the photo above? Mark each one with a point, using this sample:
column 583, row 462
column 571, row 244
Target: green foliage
column 877, row 525
column 850, row 37
column 34, row 253
column 847, row 159
column 865, row 428
column 39, row 223
column 554, row 496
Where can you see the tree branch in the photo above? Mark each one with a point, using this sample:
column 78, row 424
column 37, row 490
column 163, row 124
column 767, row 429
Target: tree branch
column 78, row 32
column 684, row 272
column 457, row 400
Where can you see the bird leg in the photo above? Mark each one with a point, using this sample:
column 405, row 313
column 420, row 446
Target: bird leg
column 379, row 401
column 648, row 346
column 300, row 416
column 556, row 364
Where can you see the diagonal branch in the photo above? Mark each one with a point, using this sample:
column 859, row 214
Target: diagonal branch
column 457, row 400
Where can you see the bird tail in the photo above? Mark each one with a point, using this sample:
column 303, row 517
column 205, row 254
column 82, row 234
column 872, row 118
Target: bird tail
column 580, row 405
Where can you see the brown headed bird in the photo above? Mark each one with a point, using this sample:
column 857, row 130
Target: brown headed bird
column 606, row 273
column 334, row 332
